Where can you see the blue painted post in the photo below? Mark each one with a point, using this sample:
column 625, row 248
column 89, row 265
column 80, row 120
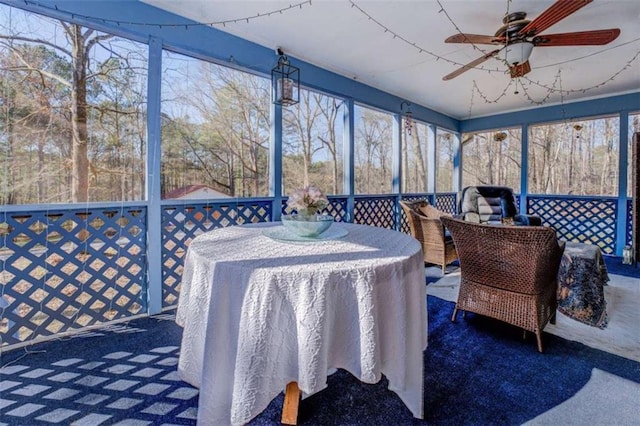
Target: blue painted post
column 153, row 182
column 524, row 168
column 396, row 167
column 349, row 157
column 275, row 151
column 621, row 219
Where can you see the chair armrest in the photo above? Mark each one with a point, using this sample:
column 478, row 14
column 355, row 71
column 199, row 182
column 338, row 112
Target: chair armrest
column 471, row 217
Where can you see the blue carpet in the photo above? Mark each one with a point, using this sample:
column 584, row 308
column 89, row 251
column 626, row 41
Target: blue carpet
column 477, row 372
column 616, row 267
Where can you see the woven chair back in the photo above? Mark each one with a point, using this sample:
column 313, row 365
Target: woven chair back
column 409, row 208
column 522, row 259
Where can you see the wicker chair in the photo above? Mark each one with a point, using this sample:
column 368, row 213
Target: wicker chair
column 425, row 225
column 507, row 272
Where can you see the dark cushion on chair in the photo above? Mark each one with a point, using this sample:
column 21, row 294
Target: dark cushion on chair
column 489, row 204
column 508, row 203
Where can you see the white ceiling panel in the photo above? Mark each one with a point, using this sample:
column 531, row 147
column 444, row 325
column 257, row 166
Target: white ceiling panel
column 398, row 47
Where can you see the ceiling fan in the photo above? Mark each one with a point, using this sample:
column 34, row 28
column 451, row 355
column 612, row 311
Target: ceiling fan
column 518, row 36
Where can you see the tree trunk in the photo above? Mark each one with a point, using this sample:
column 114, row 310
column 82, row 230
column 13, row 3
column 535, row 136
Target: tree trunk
column 11, row 195
column 422, row 170
column 80, row 160
column 42, row 188
column 490, row 158
column 572, row 153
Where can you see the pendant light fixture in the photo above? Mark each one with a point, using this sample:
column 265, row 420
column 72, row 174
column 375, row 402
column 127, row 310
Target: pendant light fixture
column 285, row 80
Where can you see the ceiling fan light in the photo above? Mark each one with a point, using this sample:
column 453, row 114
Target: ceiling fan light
column 517, row 53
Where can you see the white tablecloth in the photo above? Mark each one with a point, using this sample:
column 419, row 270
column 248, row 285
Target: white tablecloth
column 259, row 313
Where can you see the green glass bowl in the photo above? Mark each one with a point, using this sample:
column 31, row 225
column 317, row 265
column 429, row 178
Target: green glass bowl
column 307, row 226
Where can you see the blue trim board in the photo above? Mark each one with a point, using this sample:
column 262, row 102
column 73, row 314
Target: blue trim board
column 524, row 168
column 621, row 228
column 569, row 111
column 275, row 150
column 80, row 207
column 349, row 160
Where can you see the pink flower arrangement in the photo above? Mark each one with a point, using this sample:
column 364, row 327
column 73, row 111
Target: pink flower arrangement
column 308, row 200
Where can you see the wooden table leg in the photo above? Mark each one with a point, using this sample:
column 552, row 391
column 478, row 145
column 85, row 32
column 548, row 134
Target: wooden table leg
column 290, row 406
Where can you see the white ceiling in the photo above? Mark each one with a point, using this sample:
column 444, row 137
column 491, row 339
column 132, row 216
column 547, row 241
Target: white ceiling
column 379, row 43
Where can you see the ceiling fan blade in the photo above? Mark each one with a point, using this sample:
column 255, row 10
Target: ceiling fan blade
column 470, row 65
column 474, row 39
column 582, row 38
column 557, row 12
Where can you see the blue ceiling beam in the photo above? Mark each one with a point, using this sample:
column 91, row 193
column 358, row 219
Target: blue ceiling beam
column 612, row 105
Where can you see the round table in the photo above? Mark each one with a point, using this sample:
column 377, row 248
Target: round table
column 259, row 313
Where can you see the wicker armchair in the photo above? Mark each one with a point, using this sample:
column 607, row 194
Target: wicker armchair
column 425, row 225
column 508, row 272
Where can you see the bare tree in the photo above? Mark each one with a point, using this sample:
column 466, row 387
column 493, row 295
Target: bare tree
column 372, row 152
column 67, row 89
column 302, row 122
column 413, row 161
column 329, row 108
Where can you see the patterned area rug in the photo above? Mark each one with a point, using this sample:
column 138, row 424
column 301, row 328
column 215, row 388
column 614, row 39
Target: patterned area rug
column 622, row 293
column 477, row 371
column 85, row 380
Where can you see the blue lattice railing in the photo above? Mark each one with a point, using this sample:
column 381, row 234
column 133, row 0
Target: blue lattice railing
column 446, row 202
column 404, row 223
column 582, row 219
column 67, row 269
column 337, row 208
column 181, row 223
column 376, row 211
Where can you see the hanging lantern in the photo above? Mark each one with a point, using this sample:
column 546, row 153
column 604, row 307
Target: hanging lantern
column 285, row 80
column 500, row 136
column 408, row 117
column 408, row 122
column 577, row 128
